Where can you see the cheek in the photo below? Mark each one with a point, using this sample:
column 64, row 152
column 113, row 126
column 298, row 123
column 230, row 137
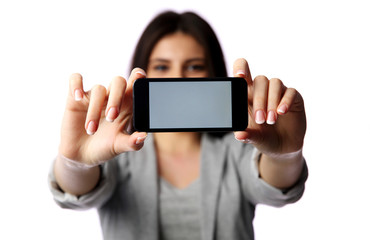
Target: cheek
column 151, row 73
column 203, row 74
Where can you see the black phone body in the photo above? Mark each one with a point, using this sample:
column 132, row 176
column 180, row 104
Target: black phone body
column 190, row 104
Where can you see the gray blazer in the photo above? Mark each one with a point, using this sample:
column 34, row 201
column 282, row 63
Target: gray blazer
column 127, row 195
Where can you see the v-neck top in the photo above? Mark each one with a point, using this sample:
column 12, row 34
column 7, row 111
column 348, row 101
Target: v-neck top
column 179, row 211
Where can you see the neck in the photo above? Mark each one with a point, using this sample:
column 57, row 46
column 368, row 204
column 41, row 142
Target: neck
column 177, row 143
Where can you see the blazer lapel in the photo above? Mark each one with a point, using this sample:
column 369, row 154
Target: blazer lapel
column 212, row 165
column 145, row 182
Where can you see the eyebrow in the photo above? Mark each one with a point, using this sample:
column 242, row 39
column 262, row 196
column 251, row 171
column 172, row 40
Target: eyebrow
column 166, row 60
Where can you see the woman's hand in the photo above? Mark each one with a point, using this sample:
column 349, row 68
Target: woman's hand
column 96, row 124
column 277, row 120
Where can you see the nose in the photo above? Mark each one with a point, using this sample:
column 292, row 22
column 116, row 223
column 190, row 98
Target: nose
column 177, row 72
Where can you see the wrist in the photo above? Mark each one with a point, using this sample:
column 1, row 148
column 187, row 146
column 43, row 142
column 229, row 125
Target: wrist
column 74, row 164
column 75, row 177
column 285, row 157
column 281, row 170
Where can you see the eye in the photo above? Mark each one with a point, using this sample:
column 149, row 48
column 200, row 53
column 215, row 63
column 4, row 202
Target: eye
column 160, row 67
column 196, row 67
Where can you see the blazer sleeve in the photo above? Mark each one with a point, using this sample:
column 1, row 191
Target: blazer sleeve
column 255, row 189
column 94, row 199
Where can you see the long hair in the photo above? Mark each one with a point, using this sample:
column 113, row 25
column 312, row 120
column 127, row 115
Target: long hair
column 189, row 23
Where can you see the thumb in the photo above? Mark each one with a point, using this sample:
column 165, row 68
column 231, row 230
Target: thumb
column 136, row 73
column 249, row 136
column 128, row 143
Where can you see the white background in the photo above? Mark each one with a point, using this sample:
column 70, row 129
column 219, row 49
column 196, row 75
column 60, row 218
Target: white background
column 319, row 47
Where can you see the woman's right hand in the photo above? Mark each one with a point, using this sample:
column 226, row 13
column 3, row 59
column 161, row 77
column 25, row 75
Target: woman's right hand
column 97, row 124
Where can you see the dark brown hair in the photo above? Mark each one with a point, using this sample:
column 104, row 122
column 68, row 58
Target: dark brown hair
column 188, row 23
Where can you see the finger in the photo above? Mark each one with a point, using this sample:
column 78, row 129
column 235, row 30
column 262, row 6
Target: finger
column 287, row 101
column 136, row 73
column 133, row 142
column 97, row 101
column 248, row 136
column 116, row 91
column 76, row 87
column 241, row 69
column 260, row 94
column 276, row 87
column 126, row 105
column 242, row 136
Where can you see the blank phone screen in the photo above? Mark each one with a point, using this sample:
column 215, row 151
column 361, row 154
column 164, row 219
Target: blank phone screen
column 190, row 104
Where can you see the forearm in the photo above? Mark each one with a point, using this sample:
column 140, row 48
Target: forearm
column 281, row 171
column 75, row 179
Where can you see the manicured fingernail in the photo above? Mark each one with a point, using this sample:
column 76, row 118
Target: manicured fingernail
column 91, row 128
column 271, row 117
column 141, row 73
column 260, row 117
column 243, row 140
column 282, row 109
column 140, row 140
column 78, row 95
column 240, row 73
column 112, row 114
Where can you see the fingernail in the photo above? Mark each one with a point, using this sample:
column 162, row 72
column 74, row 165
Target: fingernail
column 141, row 73
column 271, row 117
column 78, row 95
column 140, row 140
column 282, row 109
column 112, row 114
column 243, row 140
column 260, row 117
column 91, row 128
column 240, row 72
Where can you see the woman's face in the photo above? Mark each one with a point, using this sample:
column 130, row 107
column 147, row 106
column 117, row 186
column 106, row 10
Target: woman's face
column 177, row 55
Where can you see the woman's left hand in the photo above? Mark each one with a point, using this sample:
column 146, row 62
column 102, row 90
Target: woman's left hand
column 277, row 119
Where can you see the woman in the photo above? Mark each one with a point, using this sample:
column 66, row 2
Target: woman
column 179, row 185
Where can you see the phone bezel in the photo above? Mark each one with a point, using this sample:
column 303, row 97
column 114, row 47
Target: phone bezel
column 141, row 103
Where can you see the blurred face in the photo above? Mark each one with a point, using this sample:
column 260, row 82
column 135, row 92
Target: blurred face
column 177, row 55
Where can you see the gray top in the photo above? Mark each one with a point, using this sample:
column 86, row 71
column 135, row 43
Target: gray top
column 179, row 211
column 230, row 187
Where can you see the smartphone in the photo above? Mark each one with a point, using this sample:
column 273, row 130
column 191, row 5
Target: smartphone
column 190, row 104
